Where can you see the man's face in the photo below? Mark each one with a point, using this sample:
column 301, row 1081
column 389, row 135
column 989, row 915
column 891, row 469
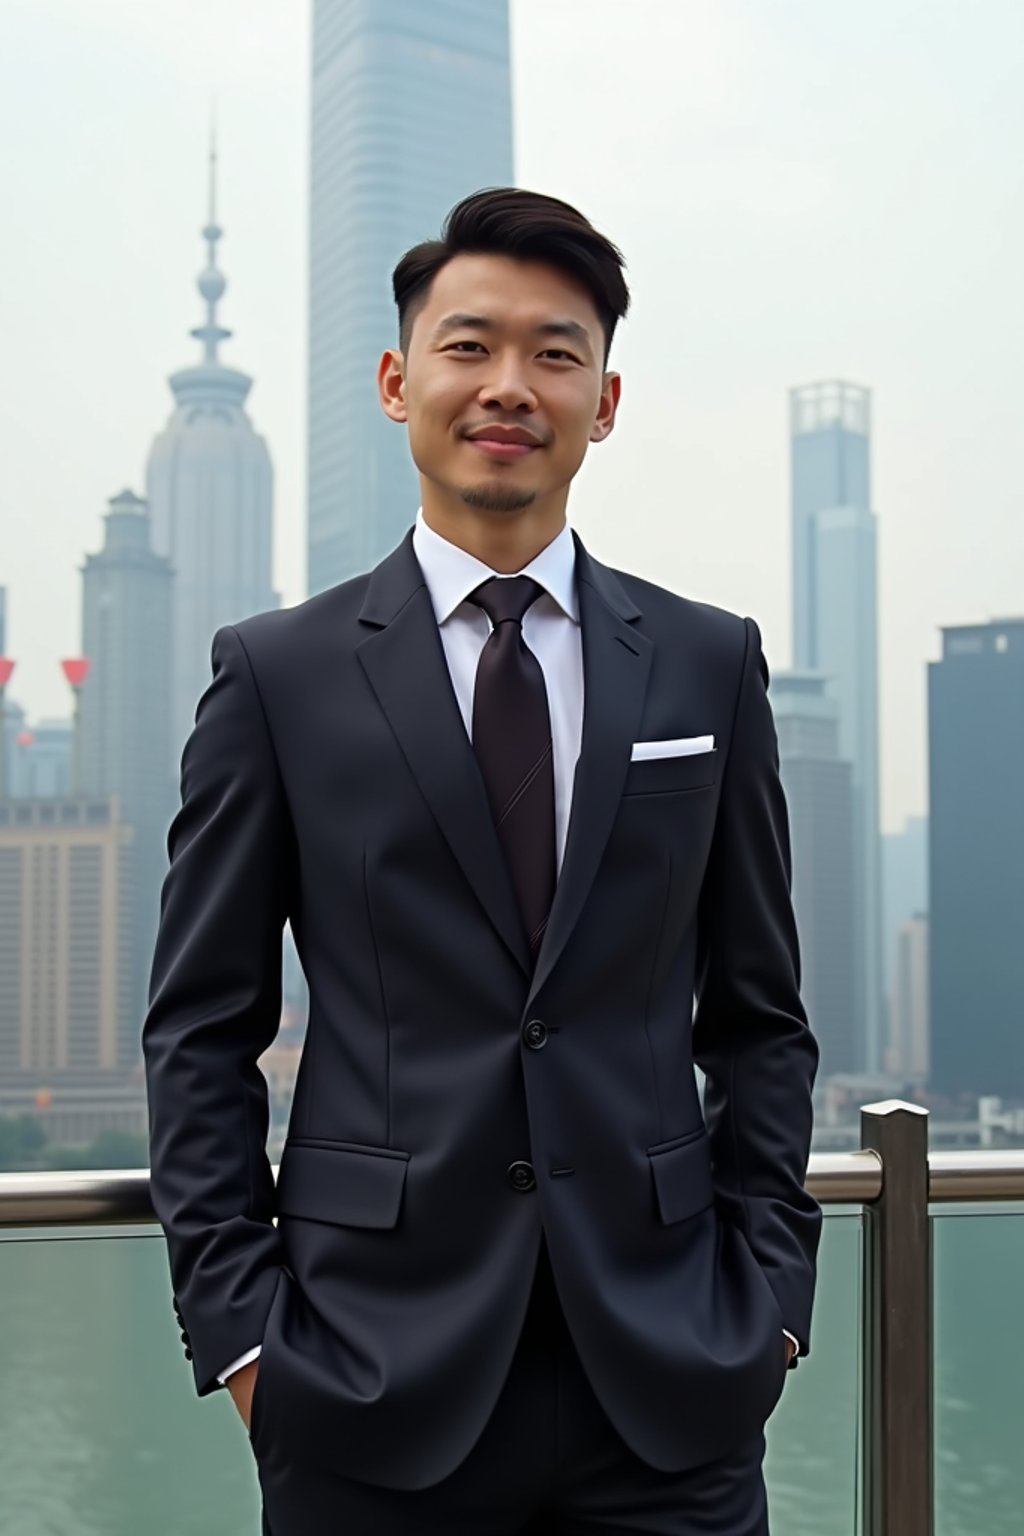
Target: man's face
column 508, row 347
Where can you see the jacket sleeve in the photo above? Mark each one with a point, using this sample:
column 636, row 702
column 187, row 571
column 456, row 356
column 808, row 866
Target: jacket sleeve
column 751, row 1037
column 214, row 1007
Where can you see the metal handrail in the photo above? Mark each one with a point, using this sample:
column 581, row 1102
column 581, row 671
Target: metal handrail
column 116, row 1197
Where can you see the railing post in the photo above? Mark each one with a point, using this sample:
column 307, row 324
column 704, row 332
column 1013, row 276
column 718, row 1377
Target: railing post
column 896, row 1343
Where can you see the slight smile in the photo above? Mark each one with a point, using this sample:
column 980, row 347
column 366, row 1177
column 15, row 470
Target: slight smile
column 496, row 449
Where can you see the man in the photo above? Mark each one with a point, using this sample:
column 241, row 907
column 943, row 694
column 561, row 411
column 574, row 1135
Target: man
column 523, row 813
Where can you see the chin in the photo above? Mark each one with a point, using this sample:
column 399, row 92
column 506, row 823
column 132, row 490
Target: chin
column 494, row 496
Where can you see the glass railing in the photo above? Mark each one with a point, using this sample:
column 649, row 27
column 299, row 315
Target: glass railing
column 812, row 1465
column 978, row 1257
column 100, row 1433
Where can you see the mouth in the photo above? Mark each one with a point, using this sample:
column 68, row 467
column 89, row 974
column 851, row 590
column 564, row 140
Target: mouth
column 495, row 448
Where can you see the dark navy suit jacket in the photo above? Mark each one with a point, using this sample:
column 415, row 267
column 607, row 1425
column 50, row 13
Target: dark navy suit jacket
column 330, row 781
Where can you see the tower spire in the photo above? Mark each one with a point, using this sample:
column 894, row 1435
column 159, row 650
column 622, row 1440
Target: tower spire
column 211, row 281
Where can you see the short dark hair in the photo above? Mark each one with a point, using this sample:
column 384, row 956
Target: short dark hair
column 508, row 221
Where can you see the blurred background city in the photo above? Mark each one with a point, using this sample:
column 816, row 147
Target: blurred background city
column 821, row 211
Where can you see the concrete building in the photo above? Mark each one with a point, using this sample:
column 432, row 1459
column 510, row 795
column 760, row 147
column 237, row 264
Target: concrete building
column 909, row 1029
column 65, row 939
column 125, row 722
column 819, row 797
column 976, row 860
column 411, row 112
column 40, row 760
column 209, row 484
column 904, row 897
column 835, row 634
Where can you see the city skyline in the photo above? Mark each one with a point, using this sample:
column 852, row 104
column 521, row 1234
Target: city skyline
column 785, row 280
column 362, row 482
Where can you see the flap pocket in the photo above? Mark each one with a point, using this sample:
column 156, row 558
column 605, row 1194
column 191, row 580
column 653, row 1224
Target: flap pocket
column 682, row 1176
column 664, row 775
column 341, row 1182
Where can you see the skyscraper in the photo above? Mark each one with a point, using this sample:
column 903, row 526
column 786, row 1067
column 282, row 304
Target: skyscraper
column 210, row 489
column 65, row 951
column 976, row 859
column 904, row 903
column 411, row 112
column 909, row 1019
column 124, row 723
column 40, row 765
column 819, row 798
column 835, row 633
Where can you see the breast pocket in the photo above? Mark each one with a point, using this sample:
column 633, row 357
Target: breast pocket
column 669, row 775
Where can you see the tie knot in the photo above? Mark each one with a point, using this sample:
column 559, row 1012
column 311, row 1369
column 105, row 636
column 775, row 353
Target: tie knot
column 506, row 597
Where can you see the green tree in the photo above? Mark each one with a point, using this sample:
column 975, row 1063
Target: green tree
column 31, row 1136
column 119, row 1149
column 22, row 1139
column 10, row 1146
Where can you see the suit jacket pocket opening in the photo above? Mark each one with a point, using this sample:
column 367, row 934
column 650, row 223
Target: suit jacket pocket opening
column 681, row 1170
column 342, row 1183
column 669, row 775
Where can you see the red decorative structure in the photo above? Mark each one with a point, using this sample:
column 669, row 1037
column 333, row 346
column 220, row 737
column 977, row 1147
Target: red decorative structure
column 6, row 668
column 24, row 739
column 76, row 671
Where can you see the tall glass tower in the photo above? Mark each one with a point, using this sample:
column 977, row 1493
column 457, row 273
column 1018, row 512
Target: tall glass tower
column 835, row 632
column 411, row 111
column 976, row 858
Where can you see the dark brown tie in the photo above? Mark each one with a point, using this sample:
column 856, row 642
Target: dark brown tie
column 512, row 742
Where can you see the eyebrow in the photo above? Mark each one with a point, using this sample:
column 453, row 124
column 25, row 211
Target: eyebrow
column 571, row 330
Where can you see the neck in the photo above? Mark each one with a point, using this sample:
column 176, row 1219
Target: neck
column 504, row 541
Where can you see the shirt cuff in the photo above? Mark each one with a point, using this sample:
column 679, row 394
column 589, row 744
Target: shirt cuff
column 796, row 1341
column 236, row 1365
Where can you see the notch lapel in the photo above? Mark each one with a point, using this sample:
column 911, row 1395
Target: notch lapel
column 616, row 667
column 406, row 667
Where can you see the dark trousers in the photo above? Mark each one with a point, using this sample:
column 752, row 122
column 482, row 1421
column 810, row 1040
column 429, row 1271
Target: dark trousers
column 548, row 1463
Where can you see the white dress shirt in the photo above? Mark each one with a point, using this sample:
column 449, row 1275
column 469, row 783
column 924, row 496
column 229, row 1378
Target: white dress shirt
column 551, row 629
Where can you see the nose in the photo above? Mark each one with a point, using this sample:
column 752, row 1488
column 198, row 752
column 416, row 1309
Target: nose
column 507, row 385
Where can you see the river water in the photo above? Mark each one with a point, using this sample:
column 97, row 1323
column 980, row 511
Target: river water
column 101, row 1434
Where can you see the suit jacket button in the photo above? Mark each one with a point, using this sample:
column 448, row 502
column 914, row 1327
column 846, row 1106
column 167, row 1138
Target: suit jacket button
column 188, row 1354
column 536, row 1034
column 521, row 1176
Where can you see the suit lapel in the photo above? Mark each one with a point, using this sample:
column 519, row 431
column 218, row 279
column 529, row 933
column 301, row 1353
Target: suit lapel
column 405, row 663
column 616, row 666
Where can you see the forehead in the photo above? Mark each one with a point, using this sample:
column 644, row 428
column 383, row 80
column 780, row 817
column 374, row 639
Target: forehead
column 510, row 292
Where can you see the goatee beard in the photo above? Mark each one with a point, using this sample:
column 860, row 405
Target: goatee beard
column 497, row 498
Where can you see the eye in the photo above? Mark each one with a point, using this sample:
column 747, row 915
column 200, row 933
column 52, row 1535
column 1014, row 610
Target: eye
column 557, row 352
column 456, row 344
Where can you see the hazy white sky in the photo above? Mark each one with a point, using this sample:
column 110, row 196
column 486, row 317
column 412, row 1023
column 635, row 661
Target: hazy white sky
column 803, row 189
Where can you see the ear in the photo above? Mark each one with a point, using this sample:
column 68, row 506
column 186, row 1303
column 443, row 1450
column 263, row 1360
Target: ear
column 611, row 389
column 391, row 385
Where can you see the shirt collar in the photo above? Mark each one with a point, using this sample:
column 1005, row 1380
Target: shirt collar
column 451, row 573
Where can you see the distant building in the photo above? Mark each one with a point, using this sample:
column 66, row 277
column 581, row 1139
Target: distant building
column 65, row 939
column 819, row 798
column 125, row 724
column 411, row 112
column 40, row 760
column 210, row 490
column 904, row 896
column 835, row 633
column 909, row 1037
column 976, row 859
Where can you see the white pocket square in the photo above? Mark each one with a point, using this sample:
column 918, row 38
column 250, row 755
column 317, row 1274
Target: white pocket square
column 680, row 746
